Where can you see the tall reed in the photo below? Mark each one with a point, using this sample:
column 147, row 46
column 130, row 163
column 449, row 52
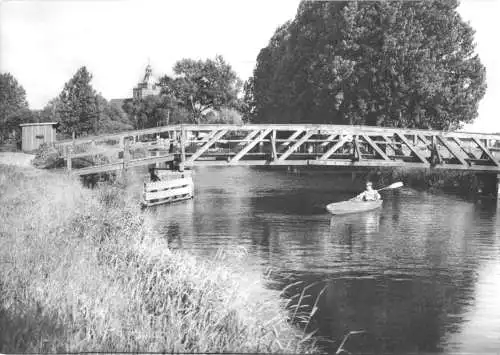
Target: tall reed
column 81, row 270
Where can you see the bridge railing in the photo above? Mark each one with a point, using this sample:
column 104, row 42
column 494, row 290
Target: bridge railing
column 281, row 144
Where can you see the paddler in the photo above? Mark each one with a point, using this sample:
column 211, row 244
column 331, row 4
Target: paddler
column 152, row 175
column 368, row 195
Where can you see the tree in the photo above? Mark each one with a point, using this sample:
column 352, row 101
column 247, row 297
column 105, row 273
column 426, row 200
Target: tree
column 224, row 116
column 390, row 63
column 153, row 111
column 112, row 118
column 13, row 105
column 77, row 106
column 202, row 86
column 249, row 106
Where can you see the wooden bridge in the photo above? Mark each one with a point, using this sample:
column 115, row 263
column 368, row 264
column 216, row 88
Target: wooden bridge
column 288, row 144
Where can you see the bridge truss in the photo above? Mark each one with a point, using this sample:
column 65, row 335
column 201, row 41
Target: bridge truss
column 306, row 145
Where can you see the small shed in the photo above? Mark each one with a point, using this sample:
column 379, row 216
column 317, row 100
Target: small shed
column 34, row 134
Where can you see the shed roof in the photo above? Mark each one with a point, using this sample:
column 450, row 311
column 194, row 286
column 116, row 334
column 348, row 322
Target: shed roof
column 38, row 124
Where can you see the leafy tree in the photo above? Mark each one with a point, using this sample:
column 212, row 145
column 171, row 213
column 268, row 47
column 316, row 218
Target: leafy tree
column 77, row 106
column 202, row 86
column 49, row 112
column 390, row 63
column 13, row 105
column 112, row 118
column 152, row 111
column 224, row 116
column 249, row 106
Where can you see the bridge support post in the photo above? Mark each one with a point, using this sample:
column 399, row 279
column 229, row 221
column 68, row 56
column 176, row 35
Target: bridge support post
column 126, row 159
column 157, row 154
column 68, row 160
column 183, row 150
column 273, row 143
column 497, row 190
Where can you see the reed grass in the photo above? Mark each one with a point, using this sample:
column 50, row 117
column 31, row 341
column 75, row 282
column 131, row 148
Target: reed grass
column 463, row 183
column 81, row 270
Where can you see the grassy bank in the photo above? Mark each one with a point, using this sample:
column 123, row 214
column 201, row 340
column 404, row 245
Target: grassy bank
column 463, row 183
column 82, row 271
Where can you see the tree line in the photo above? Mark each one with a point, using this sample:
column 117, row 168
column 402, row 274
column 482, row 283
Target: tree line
column 385, row 63
column 201, row 91
column 388, row 63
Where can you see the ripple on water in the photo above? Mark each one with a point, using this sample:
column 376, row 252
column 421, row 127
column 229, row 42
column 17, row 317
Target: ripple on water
column 421, row 274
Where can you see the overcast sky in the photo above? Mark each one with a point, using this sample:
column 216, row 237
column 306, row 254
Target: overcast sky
column 43, row 43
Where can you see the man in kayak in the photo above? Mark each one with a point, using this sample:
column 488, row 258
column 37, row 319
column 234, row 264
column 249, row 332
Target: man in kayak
column 368, row 195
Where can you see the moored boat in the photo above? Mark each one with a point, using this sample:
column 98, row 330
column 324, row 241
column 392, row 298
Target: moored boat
column 172, row 186
column 347, row 207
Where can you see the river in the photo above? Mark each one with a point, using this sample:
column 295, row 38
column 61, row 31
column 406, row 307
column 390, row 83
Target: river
column 420, row 275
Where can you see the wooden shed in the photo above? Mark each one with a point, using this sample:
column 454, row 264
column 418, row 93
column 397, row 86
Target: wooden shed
column 34, row 134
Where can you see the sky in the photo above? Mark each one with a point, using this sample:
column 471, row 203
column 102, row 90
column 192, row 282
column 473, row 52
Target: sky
column 43, row 43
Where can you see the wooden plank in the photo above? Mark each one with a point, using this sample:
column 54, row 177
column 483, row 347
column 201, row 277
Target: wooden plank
column 273, row 145
column 207, row 145
column 296, row 145
column 207, row 138
column 356, row 148
column 452, row 150
column 485, row 151
column 290, row 139
column 383, row 163
column 374, row 146
column 333, row 149
column 68, row 162
column 119, row 165
column 353, row 130
column 328, row 140
column 249, row 146
column 413, row 149
column 126, row 155
column 457, row 141
column 249, row 137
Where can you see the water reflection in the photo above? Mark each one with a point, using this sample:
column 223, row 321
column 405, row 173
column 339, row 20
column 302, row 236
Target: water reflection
column 419, row 275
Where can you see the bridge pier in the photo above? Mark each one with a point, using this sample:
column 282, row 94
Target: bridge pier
column 498, row 186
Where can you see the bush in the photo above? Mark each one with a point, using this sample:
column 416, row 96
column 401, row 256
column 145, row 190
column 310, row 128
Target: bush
column 47, row 157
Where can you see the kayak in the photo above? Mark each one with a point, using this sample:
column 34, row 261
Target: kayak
column 346, row 207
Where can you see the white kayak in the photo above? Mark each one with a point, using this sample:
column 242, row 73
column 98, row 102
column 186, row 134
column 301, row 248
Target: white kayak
column 347, row 207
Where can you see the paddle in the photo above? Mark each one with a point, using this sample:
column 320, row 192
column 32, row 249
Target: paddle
column 392, row 186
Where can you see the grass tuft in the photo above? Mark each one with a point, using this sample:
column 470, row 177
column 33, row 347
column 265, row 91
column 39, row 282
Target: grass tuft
column 81, row 270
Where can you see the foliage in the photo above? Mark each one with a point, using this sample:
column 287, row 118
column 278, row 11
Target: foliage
column 391, row 63
column 85, row 272
column 47, row 157
column 224, row 116
column 13, row 106
column 49, row 113
column 153, row 111
column 93, row 113
column 112, row 118
column 77, row 106
column 249, row 105
column 202, row 86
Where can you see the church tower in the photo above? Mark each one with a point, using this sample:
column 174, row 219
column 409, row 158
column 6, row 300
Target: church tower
column 147, row 87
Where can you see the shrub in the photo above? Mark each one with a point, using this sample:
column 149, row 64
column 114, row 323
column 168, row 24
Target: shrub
column 47, row 157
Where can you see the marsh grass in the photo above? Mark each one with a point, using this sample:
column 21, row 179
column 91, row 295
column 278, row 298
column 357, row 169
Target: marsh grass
column 80, row 270
column 464, row 183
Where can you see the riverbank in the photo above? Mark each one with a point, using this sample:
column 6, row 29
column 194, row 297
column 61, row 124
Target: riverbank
column 461, row 183
column 82, row 271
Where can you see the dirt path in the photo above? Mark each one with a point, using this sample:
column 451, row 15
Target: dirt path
column 18, row 159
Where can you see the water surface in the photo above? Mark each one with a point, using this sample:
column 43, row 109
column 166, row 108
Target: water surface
column 420, row 275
